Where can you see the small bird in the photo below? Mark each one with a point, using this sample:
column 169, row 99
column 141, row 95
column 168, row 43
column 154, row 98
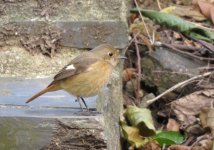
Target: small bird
column 86, row 74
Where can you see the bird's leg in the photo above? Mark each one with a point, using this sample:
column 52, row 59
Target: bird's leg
column 78, row 99
column 84, row 103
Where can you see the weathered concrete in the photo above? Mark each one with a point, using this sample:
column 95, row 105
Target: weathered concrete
column 69, row 10
column 15, row 91
column 110, row 104
column 82, row 133
column 15, row 61
column 83, row 24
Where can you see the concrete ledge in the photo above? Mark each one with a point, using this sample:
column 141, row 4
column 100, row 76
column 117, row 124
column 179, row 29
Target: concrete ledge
column 80, row 133
column 70, row 10
column 81, row 24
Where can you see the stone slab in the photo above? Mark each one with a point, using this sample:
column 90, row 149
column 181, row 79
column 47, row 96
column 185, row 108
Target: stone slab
column 82, row 24
column 78, row 34
column 69, row 10
column 22, row 133
column 178, row 62
column 15, row 91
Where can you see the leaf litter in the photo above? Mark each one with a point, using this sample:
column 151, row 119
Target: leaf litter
column 181, row 116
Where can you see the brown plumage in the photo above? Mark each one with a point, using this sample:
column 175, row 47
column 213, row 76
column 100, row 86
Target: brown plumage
column 86, row 74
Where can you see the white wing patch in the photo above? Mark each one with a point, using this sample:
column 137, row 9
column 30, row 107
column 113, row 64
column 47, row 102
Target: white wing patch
column 70, row 67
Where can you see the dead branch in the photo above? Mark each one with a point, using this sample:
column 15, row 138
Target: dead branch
column 147, row 31
column 184, row 83
column 139, row 69
column 171, row 47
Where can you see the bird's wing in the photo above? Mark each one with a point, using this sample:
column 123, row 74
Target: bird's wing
column 78, row 65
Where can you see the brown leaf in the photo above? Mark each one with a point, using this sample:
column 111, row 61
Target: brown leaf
column 172, row 125
column 128, row 74
column 127, row 99
column 207, row 9
column 152, row 145
column 205, row 144
column 207, row 118
column 187, row 107
column 179, row 147
column 138, row 28
column 185, row 11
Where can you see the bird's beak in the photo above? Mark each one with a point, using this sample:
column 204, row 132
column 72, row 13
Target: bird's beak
column 122, row 57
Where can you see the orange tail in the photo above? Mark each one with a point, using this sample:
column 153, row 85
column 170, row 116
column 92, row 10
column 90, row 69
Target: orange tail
column 51, row 87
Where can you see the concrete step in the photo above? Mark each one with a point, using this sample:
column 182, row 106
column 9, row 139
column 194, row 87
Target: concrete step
column 15, row 91
column 81, row 24
column 33, row 133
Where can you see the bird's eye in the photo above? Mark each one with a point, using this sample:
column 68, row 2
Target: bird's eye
column 110, row 54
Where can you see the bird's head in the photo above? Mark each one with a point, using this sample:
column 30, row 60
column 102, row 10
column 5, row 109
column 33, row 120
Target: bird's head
column 108, row 53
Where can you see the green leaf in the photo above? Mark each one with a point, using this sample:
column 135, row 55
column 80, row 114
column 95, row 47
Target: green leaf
column 169, row 138
column 177, row 24
column 142, row 119
column 132, row 135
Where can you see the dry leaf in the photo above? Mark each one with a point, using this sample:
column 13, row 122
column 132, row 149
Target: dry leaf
column 207, row 118
column 205, row 144
column 186, row 107
column 195, row 130
column 207, row 9
column 152, row 145
column 176, row 36
column 179, row 147
column 185, row 11
column 127, row 99
column 128, row 74
column 172, row 125
column 138, row 28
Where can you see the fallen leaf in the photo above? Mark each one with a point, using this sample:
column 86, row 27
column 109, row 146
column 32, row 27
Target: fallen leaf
column 172, row 125
column 207, row 9
column 152, row 145
column 207, row 118
column 139, row 29
column 169, row 138
column 132, row 135
column 177, row 24
column 187, row 107
column 179, row 147
column 128, row 74
column 142, row 119
column 205, row 144
column 185, row 11
column 194, row 130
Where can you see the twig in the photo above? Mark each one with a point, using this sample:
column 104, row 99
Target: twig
column 147, row 31
column 171, row 72
column 203, row 43
column 171, row 47
column 205, row 68
column 189, row 48
column 130, row 42
column 179, row 85
column 207, row 45
column 138, row 68
column 201, row 26
column 159, row 6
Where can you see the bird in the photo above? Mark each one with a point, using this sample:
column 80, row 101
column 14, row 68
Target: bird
column 86, row 74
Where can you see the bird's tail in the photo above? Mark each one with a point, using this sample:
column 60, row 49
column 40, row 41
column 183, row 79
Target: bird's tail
column 51, row 87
